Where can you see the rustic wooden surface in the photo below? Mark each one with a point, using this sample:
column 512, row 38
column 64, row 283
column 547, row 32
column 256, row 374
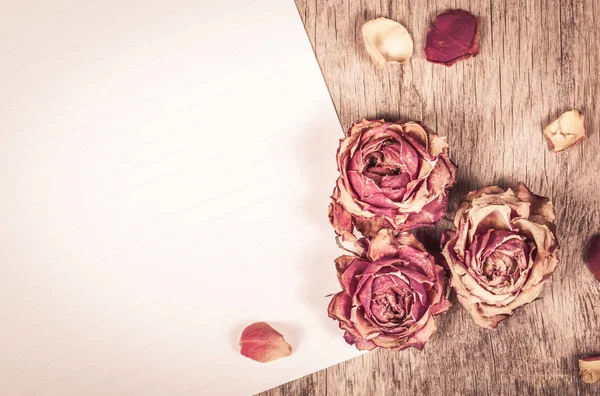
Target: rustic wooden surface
column 538, row 58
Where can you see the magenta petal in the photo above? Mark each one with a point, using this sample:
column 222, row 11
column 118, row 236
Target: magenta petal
column 349, row 279
column 454, row 35
column 593, row 257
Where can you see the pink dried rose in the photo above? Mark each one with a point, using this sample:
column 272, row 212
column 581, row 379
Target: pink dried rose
column 503, row 250
column 593, row 257
column 589, row 369
column 262, row 343
column 390, row 295
column 391, row 176
column 453, row 36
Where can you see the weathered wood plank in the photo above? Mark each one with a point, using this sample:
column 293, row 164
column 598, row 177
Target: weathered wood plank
column 538, row 58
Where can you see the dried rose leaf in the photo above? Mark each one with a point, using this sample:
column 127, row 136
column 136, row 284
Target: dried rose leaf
column 589, row 369
column 593, row 257
column 262, row 343
column 387, row 41
column 453, row 36
column 565, row 131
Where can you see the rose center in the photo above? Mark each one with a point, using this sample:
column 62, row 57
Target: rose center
column 385, row 160
column 391, row 306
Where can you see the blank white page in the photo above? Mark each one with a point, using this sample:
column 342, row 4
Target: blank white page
column 166, row 168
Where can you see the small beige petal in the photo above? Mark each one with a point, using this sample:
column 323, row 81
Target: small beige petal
column 387, row 41
column 566, row 131
column 589, row 369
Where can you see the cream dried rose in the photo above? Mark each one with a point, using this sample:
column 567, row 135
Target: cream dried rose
column 503, row 250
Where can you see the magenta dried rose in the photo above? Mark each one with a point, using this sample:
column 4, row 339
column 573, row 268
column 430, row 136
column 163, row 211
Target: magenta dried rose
column 453, row 36
column 390, row 295
column 503, row 250
column 391, row 176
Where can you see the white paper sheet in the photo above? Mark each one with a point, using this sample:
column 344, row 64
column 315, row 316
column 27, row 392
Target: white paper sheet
column 165, row 170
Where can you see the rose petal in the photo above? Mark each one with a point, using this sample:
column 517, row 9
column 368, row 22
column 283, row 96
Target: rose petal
column 565, row 131
column 589, row 369
column 593, row 257
column 387, row 41
column 453, row 35
column 262, row 343
column 387, row 244
column 540, row 206
column 341, row 221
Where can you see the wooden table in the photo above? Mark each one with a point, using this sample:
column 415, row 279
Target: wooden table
column 538, row 58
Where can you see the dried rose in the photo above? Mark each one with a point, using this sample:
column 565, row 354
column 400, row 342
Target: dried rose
column 566, row 131
column 593, row 257
column 391, row 176
column 387, row 41
column 502, row 252
column 589, row 369
column 390, row 295
column 262, row 343
column 453, row 36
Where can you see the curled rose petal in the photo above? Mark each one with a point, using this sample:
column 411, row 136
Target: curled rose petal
column 593, row 257
column 503, row 250
column 589, row 369
column 387, row 41
column 262, row 343
column 566, row 131
column 453, row 36
column 390, row 295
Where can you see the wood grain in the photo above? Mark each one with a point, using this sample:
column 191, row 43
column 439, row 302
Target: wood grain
column 538, row 59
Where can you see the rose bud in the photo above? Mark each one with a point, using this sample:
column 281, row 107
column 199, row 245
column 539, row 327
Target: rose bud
column 391, row 176
column 262, row 343
column 390, row 295
column 503, row 250
column 453, row 36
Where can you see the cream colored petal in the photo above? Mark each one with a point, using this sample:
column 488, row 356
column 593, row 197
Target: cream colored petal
column 540, row 206
column 348, row 143
column 481, row 294
column 565, row 131
column 490, row 216
column 589, row 369
column 539, row 233
column 479, row 318
column 437, row 144
column 387, row 41
column 507, row 198
column 524, row 297
column 542, row 269
column 417, row 132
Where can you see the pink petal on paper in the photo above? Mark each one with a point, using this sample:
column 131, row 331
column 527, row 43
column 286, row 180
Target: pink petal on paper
column 262, row 343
